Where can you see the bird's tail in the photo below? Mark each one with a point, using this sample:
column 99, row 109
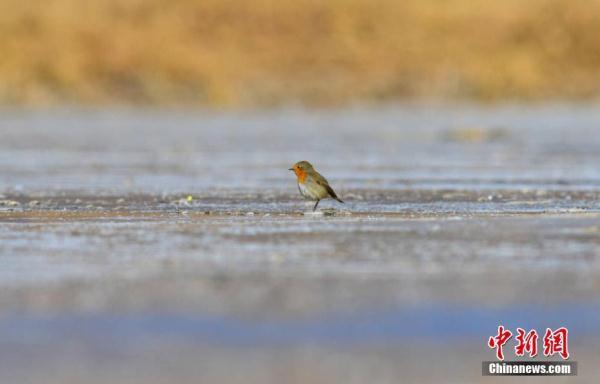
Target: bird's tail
column 332, row 193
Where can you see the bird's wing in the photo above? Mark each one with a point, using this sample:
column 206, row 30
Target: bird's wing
column 322, row 181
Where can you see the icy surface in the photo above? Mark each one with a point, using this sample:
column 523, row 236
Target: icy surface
column 132, row 237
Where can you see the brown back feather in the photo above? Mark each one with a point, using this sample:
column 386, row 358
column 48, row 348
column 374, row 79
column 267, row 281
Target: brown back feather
column 324, row 183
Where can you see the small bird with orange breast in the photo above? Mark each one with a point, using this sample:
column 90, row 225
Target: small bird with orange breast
column 311, row 184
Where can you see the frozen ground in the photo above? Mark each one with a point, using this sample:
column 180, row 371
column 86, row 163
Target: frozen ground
column 457, row 219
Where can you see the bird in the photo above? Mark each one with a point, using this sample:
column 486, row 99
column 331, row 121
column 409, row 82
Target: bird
column 311, row 184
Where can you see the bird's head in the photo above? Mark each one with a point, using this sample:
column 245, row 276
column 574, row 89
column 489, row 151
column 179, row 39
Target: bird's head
column 302, row 167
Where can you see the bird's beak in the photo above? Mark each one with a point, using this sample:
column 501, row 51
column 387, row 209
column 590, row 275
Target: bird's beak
column 290, row 169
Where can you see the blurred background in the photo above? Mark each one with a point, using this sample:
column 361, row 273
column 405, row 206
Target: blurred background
column 321, row 53
column 150, row 231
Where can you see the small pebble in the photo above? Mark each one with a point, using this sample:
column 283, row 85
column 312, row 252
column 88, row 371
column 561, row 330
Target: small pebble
column 9, row 203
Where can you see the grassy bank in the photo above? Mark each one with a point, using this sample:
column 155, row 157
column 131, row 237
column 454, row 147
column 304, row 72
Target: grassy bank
column 261, row 52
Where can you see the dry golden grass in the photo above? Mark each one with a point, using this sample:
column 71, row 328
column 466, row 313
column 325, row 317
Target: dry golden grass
column 261, row 52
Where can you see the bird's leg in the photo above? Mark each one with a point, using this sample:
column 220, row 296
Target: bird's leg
column 315, row 207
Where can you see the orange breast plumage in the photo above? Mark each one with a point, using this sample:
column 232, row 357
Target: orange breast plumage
column 301, row 175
